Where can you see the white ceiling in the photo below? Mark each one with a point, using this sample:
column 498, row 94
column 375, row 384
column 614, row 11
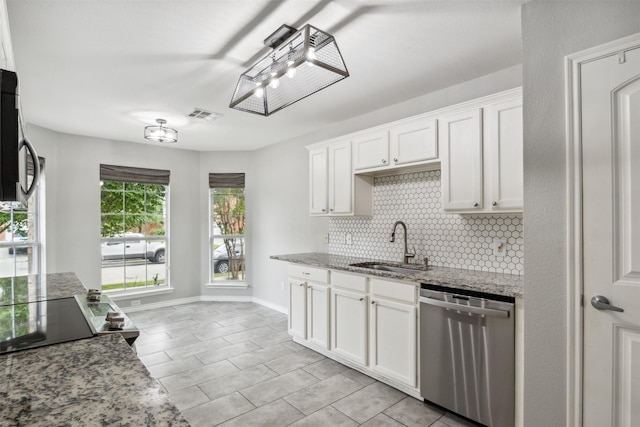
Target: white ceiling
column 107, row 68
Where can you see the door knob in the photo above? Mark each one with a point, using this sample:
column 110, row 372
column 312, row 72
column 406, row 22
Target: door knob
column 602, row 303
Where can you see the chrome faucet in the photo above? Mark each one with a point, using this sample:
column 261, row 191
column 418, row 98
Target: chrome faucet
column 407, row 256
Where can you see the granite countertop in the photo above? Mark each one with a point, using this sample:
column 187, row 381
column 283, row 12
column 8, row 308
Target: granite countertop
column 33, row 287
column 495, row 283
column 92, row 382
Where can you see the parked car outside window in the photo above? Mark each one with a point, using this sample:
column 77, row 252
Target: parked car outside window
column 221, row 257
column 132, row 249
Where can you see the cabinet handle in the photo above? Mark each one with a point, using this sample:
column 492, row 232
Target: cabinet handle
column 324, row 210
column 301, row 284
column 495, row 203
column 373, row 302
column 361, row 299
column 475, row 205
column 384, row 161
column 331, row 209
column 305, row 273
column 395, row 160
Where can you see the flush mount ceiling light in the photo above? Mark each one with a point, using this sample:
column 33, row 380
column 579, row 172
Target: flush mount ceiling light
column 160, row 133
column 301, row 63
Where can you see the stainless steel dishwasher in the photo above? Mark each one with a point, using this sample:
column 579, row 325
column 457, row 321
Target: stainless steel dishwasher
column 467, row 353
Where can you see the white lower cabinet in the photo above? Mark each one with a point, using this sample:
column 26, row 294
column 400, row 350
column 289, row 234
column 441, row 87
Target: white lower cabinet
column 393, row 340
column 318, row 314
column 349, row 325
column 369, row 323
column 297, row 308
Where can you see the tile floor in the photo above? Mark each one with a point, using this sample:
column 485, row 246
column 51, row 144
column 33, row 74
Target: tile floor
column 234, row 364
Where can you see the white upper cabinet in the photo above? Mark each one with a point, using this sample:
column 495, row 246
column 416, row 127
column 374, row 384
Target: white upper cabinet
column 414, row 141
column 318, row 181
column 481, row 153
column 340, row 178
column 333, row 188
column 504, row 156
column 461, row 155
column 371, row 150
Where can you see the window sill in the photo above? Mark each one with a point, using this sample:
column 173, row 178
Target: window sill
column 124, row 295
column 227, row 285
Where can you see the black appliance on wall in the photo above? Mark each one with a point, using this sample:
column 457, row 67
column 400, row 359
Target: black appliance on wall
column 13, row 160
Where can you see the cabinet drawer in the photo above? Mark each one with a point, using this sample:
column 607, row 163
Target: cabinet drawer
column 352, row 282
column 313, row 274
column 406, row 292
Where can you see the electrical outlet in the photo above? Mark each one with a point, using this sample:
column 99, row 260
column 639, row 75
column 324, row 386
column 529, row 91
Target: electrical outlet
column 499, row 246
column 135, row 302
column 349, row 239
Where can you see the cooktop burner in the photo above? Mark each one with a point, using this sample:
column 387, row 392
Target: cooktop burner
column 39, row 323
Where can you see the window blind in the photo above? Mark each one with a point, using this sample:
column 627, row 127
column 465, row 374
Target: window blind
column 131, row 174
column 226, row 180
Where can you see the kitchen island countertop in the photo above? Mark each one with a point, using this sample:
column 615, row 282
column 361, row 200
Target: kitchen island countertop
column 33, row 287
column 91, row 382
column 495, row 283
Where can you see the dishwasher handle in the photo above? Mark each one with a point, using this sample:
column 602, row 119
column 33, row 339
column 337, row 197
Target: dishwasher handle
column 465, row 308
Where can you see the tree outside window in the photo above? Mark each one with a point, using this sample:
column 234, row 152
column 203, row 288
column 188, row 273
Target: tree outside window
column 228, row 223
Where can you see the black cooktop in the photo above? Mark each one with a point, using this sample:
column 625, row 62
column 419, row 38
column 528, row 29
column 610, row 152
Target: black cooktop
column 36, row 324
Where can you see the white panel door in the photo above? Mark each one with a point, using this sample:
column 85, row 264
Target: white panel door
column 371, row 150
column 340, row 178
column 318, row 314
column 504, row 163
column 393, row 340
column 415, row 141
column 610, row 93
column 460, row 140
column 349, row 325
column 318, row 181
column 297, row 308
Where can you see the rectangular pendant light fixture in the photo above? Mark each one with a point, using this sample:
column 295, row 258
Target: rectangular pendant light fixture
column 301, row 63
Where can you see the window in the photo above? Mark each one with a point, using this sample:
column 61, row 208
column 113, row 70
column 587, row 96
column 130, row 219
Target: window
column 227, row 235
column 134, row 237
column 20, row 248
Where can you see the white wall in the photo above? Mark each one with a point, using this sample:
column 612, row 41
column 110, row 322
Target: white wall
column 73, row 205
column 550, row 31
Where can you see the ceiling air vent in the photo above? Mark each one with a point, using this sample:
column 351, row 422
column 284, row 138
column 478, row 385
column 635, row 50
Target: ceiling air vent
column 199, row 113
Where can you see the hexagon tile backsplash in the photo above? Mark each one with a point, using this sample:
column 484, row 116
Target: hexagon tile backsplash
column 448, row 240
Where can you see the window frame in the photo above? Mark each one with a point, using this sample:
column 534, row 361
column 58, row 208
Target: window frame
column 166, row 287
column 228, row 283
column 37, row 203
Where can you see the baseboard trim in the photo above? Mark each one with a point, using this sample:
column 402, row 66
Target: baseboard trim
column 205, row 298
column 270, row 305
column 161, row 304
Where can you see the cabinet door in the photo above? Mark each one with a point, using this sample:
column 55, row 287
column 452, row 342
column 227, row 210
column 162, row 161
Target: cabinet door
column 349, row 325
column 318, row 181
column 415, row 141
column 504, row 162
column 340, row 178
column 460, row 138
column 318, row 314
column 371, row 150
column 393, row 340
column 297, row 308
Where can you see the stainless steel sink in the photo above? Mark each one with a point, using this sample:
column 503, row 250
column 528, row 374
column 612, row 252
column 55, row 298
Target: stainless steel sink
column 395, row 268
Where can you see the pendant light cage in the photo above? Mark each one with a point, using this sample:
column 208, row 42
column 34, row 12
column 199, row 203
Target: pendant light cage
column 306, row 62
